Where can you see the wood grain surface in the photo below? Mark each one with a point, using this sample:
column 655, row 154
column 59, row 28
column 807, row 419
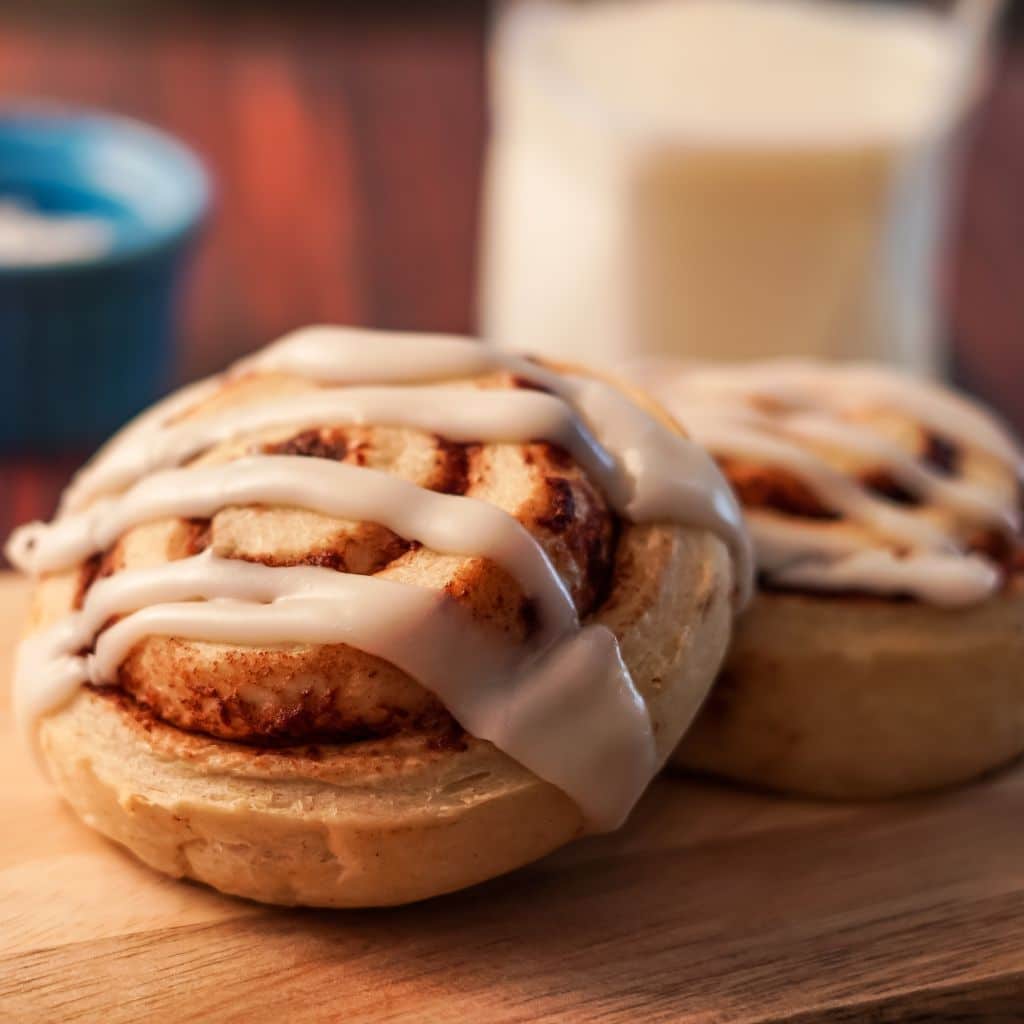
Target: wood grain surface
column 712, row 905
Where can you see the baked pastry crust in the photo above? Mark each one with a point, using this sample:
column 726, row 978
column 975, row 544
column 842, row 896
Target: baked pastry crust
column 863, row 698
column 376, row 823
column 851, row 686
column 320, row 775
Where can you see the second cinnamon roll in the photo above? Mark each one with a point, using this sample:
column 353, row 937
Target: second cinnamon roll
column 882, row 653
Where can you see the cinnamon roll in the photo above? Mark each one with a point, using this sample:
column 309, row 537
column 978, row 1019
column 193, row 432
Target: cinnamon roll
column 373, row 617
column 883, row 652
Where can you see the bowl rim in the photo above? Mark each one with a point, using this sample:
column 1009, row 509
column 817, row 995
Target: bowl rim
column 50, row 114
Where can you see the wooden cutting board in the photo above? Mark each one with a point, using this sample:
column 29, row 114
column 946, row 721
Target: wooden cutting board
column 712, row 905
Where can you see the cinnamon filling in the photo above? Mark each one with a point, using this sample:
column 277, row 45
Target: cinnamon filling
column 93, row 568
column 772, row 488
column 221, row 696
column 439, row 732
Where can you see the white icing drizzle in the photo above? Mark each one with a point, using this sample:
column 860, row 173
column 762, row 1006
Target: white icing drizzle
column 564, row 704
column 442, row 522
column 781, row 414
column 461, row 414
column 649, row 473
column 581, row 681
column 848, row 387
column 657, row 475
column 355, row 355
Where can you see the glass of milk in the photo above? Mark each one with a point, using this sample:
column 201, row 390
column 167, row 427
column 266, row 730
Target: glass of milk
column 719, row 179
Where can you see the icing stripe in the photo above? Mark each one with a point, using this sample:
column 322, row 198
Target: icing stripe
column 657, row 475
column 647, row 472
column 355, row 355
column 448, row 524
column 837, row 491
column 461, row 414
column 800, row 418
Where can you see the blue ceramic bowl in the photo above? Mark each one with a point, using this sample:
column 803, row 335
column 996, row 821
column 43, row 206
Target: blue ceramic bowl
column 87, row 343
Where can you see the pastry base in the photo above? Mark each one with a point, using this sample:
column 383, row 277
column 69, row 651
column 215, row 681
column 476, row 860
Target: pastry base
column 858, row 698
column 366, row 824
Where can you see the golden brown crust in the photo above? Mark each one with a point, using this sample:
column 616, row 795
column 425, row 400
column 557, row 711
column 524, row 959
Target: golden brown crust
column 364, row 824
column 197, row 689
column 865, row 697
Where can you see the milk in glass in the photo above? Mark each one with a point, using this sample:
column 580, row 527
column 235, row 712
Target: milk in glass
column 718, row 179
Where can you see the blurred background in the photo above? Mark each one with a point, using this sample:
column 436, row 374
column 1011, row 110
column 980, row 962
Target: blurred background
column 345, row 146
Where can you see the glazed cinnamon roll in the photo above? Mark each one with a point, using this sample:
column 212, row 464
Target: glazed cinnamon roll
column 374, row 617
column 883, row 652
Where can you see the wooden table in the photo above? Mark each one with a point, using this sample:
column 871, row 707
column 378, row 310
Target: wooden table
column 346, row 141
column 713, row 905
